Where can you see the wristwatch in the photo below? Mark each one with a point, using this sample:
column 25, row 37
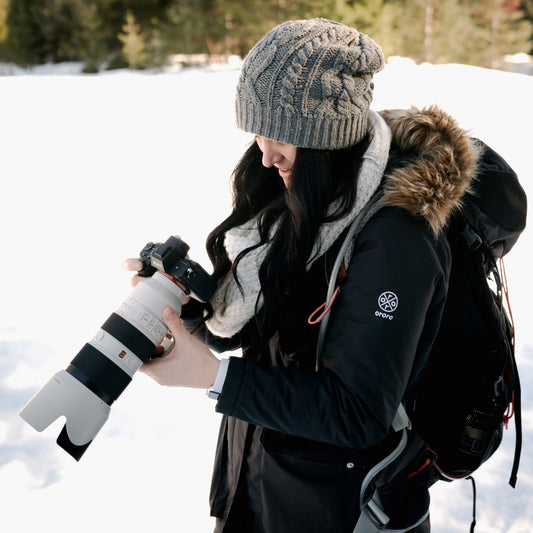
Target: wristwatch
column 214, row 391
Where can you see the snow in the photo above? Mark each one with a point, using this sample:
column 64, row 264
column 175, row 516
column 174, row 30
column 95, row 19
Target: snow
column 95, row 166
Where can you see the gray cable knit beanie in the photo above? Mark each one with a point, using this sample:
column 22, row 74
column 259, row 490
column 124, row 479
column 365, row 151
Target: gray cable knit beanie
column 309, row 83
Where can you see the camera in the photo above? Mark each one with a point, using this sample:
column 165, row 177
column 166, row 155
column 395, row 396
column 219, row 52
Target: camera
column 104, row 367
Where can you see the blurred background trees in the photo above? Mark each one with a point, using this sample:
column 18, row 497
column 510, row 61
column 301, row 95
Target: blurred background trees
column 145, row 33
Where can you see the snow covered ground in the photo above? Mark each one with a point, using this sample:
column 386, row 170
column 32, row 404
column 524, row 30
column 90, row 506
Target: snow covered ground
column 93, row 167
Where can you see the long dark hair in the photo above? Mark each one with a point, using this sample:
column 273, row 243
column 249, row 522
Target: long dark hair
column 318, row 178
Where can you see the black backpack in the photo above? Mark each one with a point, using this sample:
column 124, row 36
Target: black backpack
column 471, row 386
column 453, row 421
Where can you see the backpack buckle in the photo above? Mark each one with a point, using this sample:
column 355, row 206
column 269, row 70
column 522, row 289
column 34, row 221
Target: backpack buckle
column 473, row 240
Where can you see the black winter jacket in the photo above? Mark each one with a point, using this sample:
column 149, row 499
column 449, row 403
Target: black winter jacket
column 295, row 444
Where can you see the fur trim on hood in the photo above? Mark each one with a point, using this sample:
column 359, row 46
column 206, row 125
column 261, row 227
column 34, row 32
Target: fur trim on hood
column 438, row 164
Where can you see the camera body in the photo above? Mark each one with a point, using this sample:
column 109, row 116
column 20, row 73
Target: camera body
column 104, row 367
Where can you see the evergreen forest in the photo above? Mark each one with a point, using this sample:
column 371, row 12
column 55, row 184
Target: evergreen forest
column 106, row 34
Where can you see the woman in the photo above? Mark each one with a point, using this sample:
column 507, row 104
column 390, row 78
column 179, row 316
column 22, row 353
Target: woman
column 295, row 441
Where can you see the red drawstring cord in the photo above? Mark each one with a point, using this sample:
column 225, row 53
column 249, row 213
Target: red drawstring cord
column 312, row 320
column 510, row 412
column 340, row 278
column 505, row 287
column 425, row 464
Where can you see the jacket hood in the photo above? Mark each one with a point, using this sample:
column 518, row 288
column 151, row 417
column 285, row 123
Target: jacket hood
column 437, row 164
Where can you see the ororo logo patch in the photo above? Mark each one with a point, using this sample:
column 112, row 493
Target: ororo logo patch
column 388, row 303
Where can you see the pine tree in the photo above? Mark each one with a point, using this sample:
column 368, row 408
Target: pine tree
column 511, row 31
column 4, row 10
column 90, row 39
column 58, row 25
column 157, row 51
column 379, row 19
column 188, row 26
column 25, row 42
column 527, row 6
column 133, row 43
column 499, row 29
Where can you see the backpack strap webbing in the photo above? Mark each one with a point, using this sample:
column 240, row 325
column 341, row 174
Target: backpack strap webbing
column 356, row 226
column 373, row 517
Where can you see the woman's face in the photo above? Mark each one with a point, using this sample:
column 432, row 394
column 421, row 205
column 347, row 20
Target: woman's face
column 279, row 155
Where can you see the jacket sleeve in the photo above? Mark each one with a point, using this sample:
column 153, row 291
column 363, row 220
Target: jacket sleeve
column 382, row 327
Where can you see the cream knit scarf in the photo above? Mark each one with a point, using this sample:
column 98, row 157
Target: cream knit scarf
column 232, row 310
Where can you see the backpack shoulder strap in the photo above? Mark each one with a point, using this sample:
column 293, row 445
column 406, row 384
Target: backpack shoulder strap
column 344, row 255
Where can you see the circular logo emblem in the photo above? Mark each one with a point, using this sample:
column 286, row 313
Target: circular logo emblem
column 388, row 302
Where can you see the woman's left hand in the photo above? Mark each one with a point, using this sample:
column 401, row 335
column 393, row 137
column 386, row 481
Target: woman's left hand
column 189, row 364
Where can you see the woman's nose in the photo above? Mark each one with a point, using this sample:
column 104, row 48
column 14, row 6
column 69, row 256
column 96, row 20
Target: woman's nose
column 271, row 154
